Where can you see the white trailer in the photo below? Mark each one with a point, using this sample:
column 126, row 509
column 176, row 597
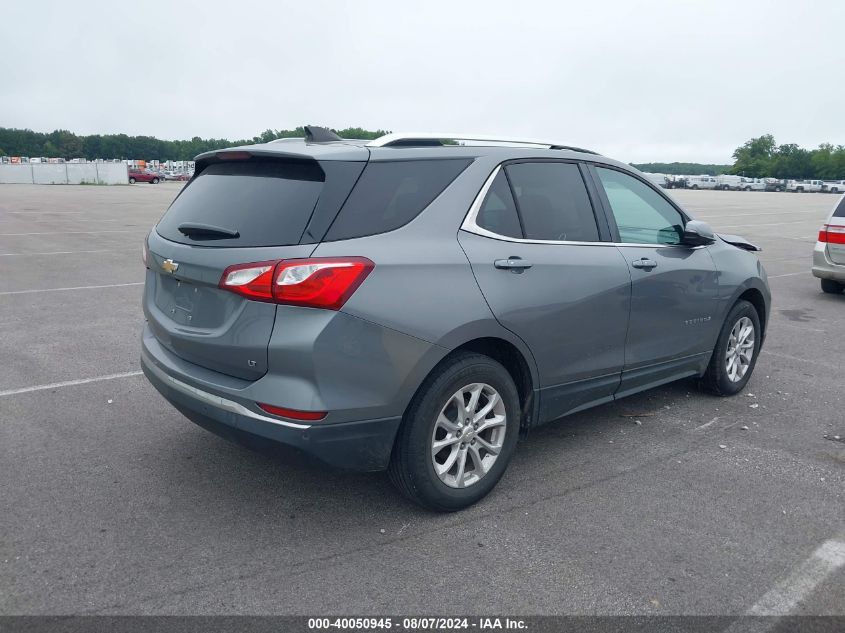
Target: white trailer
column 727, row 182
column 658, row 179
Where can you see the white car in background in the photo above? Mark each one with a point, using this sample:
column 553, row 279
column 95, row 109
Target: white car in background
column 834, row 186
column 829, row 254
column 702, row 182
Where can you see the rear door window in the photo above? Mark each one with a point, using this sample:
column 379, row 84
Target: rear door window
column 266, row 203
column 390, row 194
column 498, row 213
column 553, row 202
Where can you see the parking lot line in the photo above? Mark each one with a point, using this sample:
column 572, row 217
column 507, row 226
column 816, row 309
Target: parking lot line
column 102, row 250
column 69, row 383
column 72, row 232
column 756, row 226
column 26, row 292
column 800, row 272
column 785, row 596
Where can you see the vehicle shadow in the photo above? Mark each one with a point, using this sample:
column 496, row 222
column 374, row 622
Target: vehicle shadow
column 281, row 486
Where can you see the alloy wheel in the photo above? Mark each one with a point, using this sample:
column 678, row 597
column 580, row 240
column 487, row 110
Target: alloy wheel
column 740, row 349
column 469, row 435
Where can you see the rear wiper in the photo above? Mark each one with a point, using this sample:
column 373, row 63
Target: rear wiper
column 207, row 231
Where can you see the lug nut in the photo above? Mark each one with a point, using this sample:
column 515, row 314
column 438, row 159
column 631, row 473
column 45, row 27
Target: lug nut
column 472, row 441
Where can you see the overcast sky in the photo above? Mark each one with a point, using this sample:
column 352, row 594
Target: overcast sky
column 636, row 80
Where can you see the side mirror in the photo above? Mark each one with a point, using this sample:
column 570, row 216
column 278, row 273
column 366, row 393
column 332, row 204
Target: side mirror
column 698, row 233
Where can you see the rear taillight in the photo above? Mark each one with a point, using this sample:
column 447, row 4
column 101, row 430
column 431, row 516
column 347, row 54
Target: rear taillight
column 144, row 255
column 321, row 282
column 832, row 234
column 253, row 281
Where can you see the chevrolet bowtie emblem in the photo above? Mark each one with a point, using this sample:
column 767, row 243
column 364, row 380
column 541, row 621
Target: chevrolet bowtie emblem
column 169, row 265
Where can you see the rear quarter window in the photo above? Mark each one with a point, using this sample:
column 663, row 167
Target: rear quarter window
column 267, row 203
column 390, row 194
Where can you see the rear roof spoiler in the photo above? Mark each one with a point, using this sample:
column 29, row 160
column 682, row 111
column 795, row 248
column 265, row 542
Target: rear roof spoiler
column 314, row 134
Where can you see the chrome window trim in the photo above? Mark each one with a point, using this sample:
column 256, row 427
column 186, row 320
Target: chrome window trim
column 469, row 225
column 218, row 401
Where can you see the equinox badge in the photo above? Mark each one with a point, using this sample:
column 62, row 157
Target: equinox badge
column 169, row 265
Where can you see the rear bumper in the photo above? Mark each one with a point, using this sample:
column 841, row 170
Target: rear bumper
column 823, row 267
column 359, row 445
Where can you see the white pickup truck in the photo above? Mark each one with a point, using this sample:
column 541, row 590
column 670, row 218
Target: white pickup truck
column 803, row 186
column 835, row 186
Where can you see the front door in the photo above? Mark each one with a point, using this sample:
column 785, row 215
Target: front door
column 674, row 295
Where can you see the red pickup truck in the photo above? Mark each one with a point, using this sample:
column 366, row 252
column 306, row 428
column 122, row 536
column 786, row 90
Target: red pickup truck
column 137, row 175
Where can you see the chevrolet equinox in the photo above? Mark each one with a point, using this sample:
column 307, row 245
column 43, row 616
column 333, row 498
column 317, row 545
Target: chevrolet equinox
column 416, row 302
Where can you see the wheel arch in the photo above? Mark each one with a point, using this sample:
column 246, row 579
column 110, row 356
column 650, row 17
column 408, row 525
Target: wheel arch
column 505, row 348
column 757, row 297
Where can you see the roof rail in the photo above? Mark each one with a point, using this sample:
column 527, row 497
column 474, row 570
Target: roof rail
column 416, row 139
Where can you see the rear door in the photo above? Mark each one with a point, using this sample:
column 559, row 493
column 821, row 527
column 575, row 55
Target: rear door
column 231, row 213
column 537, row 253
column 674, row 296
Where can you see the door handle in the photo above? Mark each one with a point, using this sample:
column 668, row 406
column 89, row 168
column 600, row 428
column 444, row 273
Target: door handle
column 514, row 264
column 644, row 263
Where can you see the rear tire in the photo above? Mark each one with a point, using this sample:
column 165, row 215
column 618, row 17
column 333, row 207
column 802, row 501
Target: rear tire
column 155, row 181
column 832, row 287
column 425, row 475
column 736, row 352
column 694, row 187
column 131, row 181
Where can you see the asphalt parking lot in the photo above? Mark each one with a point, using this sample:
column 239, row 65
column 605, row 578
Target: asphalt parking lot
column 112, row 503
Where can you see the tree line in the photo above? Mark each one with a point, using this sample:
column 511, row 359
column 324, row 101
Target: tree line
column 758, row 158
column 763, row 157
column 65, row 144
column 683, row 169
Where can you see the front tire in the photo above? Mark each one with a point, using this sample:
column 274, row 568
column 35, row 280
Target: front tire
column 458, row 434
column 832, row 287
column 736, row 351
column 155, row 181
column 131, row 181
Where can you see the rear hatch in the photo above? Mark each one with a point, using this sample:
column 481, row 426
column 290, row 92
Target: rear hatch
column 836, row 237
column 258, row 208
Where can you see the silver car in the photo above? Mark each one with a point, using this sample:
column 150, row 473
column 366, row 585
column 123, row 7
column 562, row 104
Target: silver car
column 415, row 305
column 829, row 254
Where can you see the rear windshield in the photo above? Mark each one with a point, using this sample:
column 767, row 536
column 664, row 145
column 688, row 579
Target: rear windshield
column 266, row 203
column 392, row 193
column 839, row 212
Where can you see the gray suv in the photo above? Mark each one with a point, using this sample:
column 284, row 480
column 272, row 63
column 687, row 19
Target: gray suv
column 415, row 304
